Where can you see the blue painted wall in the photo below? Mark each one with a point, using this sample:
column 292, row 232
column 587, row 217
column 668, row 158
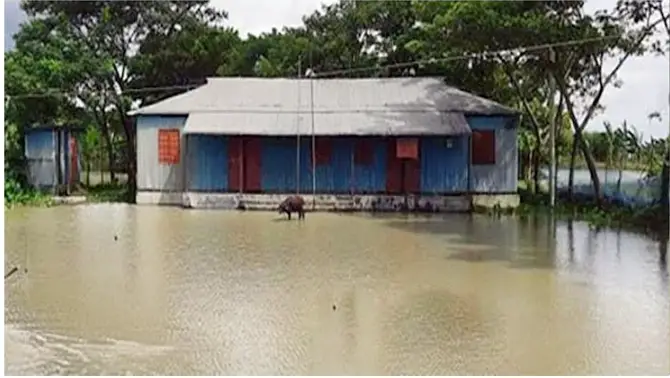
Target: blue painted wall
column 278, row 161
column 372, row 178
column 207, row 167
column 278, row 173
column 40, row 154
column 444, row 164
column 40, row 144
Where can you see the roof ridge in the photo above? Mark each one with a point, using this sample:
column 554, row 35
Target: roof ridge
column 400, row 93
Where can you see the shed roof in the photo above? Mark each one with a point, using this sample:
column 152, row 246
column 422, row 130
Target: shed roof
column 46, row 127
column 340, row 106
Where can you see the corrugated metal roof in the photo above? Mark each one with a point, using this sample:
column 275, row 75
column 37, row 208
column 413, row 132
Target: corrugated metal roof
column 344, row 95
column 340, row 106
column 328, row 123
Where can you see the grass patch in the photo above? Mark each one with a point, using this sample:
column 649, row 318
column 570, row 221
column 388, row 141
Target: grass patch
column 648, row 219
column 108, row 192
column 15, row 195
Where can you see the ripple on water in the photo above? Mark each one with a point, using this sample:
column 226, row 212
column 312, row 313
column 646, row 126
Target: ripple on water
column 32, row 352
column 218, row 292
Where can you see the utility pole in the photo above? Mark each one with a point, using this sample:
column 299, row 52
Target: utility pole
column 552, row 134
column 297, row 143
column 667, row 171
column 665, row 174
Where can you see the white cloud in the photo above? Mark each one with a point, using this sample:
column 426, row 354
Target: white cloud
column 256, row 16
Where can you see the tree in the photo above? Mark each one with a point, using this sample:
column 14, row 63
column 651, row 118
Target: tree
column 186, row 58
column 108, row 31
column 38, row 72
column 516, row 76
column 620, row 34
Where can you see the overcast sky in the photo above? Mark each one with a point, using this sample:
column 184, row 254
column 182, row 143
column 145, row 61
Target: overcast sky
column 646, row 80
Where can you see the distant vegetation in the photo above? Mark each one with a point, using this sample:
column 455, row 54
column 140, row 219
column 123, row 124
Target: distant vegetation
column 87, row 63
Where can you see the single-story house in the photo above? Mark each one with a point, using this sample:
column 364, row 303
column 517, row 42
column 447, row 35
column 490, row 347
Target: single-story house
column 343, row 144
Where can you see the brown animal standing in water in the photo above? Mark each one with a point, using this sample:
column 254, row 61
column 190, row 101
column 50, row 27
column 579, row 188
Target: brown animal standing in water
column 293, row 204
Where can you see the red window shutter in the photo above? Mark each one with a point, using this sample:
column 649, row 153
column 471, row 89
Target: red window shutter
column 407, row 148
column 324, row 149
column 364, row 152
column 483, row 147
column 168, row 146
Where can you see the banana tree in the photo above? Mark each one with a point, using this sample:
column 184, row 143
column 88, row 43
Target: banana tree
column 627, row 145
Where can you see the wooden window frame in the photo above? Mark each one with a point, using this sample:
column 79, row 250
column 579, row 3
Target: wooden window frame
column 483, row 139
column 169, row 146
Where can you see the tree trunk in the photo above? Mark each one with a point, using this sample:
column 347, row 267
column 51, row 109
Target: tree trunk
column 529, row 170
column 556, row 179
column 590, row 164
column 129, row 133
column 88, row 174
column 608, row 163
column 131, row 158
column 536, row 172
column 579, row 127
column 665, row 187
column 101, row 170
column 571, row 175
column 109, row 147
column 663, row 251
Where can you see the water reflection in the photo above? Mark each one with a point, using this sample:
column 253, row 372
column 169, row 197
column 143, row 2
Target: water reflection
column 216, row 292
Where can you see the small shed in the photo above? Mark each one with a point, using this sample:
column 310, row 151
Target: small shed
column 53, row 157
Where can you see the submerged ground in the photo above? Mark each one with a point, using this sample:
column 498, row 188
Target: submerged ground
column 220, row 292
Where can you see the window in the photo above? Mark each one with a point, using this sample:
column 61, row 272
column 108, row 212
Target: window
column 323, row 151
column 364, row 152
column 483, row 147
column 168, row 146
column 407, row 148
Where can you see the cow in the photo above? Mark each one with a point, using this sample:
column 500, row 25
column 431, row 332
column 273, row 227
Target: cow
column 292, row 204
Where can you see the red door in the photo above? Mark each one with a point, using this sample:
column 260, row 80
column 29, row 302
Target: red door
column 74, row 167
column 403, row 175
column 235, row 163
column 252, row 165
column 412, row 175
column 393, row 169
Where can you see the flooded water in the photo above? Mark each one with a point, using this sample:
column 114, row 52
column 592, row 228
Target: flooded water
column 216, row 292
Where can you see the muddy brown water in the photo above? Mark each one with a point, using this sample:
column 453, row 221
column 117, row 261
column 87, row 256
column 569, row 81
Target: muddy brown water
column 219, row 292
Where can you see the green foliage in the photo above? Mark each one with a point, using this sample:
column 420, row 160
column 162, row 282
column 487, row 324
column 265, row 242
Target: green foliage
column 16, row 194
column 645, row 219
column 107, row 193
